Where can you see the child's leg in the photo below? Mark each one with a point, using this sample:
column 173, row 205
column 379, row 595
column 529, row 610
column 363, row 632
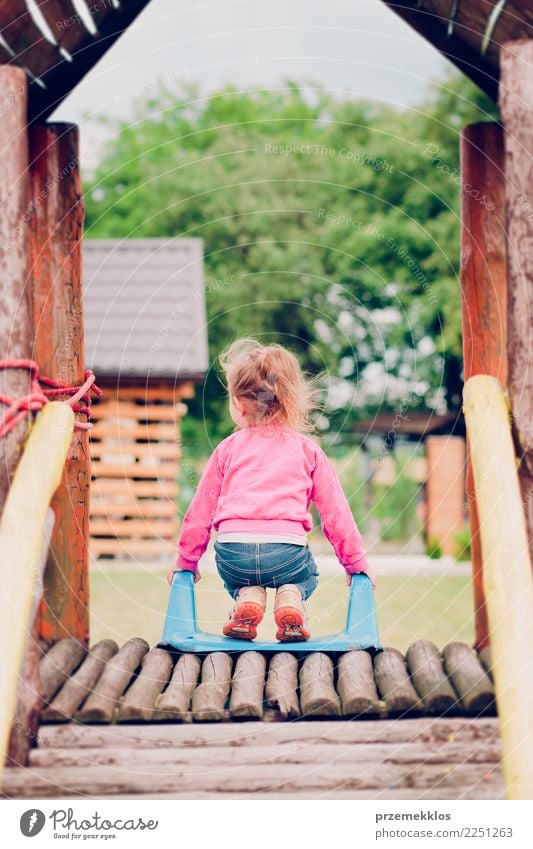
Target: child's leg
column 290, row 615
column 247, row 613
column 289, row 607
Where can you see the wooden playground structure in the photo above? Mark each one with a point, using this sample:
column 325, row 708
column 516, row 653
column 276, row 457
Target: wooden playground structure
column 102, row 720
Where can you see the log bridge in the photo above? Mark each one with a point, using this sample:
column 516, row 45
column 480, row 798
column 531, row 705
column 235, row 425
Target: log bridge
column 135, row 721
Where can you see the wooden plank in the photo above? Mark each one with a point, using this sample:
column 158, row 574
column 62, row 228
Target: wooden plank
column 284, row 753
column 128, row 451
column 149, row 489
column 209, row 698
column 136, row 509
column 101, row 703
column 424, row 730
column 317, row 693
column 483, row 296
column 248, row 778
column 401, row 698
column 138, row 704
column 16, row 331
column 429, row 679
column 57, row 225
column 79, row 685
column 133, row 547
column 470, row 680
column 138, row 412
column 124, row 472
column 135, row 527
column 247, row 686
column 175, row 701
column 107, row 429
column 356, row 686
column 66, row 23
column 147, row 393
column 281, row 689
column 516, row 105
column 58, row 663
column 25, row 39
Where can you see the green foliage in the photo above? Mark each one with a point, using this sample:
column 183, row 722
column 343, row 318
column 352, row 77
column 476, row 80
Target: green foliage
column 434, row 548
column 329, row 224
column 395, row 507
column 463, row 544
column 350, row 474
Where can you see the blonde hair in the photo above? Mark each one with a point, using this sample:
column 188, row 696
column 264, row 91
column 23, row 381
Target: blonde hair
column 270, row 384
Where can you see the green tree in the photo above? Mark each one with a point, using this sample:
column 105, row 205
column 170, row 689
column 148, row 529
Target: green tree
column 330, row 225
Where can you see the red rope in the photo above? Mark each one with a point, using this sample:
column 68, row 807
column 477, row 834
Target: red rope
column 18, row 408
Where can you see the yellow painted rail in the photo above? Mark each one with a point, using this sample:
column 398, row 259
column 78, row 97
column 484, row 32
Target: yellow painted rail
column 21, row 533
column 507, row 578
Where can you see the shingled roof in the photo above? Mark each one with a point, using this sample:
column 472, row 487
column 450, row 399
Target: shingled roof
column 144, row 308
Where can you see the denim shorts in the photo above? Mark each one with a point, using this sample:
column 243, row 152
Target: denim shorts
column 266, row 564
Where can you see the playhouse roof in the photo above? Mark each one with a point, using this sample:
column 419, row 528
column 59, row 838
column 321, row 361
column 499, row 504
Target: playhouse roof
column 144, row 308
column 58, row 53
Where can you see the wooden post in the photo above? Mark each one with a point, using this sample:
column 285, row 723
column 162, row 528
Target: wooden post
column 516, row 105
column 15, row 312
column 484, row 297
column 57, row 223
column 508, row 581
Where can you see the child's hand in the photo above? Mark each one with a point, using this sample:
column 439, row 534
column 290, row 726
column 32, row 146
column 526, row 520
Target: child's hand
column 369, row 571
column 170, row 574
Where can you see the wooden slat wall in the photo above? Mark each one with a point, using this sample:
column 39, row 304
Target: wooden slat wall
column 135, row 464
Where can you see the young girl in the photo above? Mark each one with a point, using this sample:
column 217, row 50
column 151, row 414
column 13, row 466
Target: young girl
column 255, row 492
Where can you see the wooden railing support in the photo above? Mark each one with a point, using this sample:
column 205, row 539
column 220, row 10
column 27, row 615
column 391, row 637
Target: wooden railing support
column 483, row 296
column 16, row 333
column 21, row 532
column 56, row 234
column 507, row 579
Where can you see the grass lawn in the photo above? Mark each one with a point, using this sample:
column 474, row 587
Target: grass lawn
column 129, row 602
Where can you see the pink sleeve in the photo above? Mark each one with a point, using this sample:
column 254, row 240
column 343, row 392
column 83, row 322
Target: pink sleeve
column 338, row 524
column 197, row 522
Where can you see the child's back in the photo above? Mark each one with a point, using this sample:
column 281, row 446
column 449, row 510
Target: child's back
column 255, row 492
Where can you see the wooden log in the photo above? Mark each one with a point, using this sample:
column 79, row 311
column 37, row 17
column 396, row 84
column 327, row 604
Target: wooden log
column 101, row 703
column 401, row 698
column 430, row 680
column 78, row 687
column 283, row 753
column 281, row 689
column 16, row 333
column 58, row 664
column 485, row 658
column 484, row 297
column 247, row 686
column 25, row 724
column 57, row 223
column 516, row 105
column 175, row 701
column 53, row 782
column 209, row 698
column 469, row 679
column 317, row 693
column 138, row 704
column 424, row 730
column 356, row 686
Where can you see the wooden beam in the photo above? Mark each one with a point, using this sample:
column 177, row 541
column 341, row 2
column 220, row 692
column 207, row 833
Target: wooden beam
column 516, row 104
column 16, row 334
column 57, row 222
column 484, row 297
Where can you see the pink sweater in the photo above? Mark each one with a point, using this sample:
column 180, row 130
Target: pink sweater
column 259, row 480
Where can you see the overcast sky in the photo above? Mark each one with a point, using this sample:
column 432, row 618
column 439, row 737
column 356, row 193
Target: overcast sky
column 355, row 46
